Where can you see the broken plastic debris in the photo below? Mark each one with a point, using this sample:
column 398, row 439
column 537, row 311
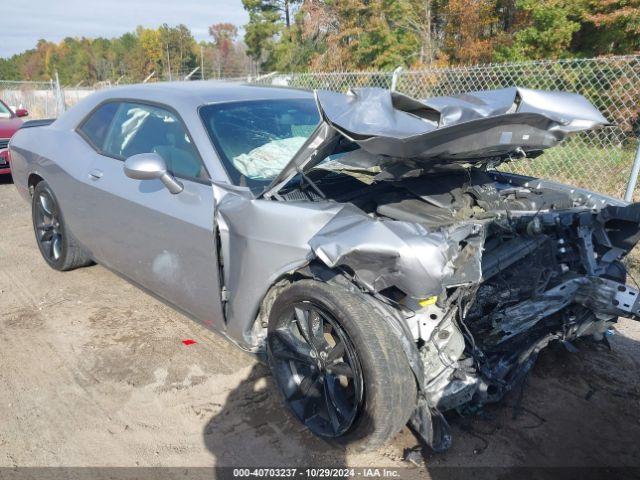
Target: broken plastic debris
column 189, row 341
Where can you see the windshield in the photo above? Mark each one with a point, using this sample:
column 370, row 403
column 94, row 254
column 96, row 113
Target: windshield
column 256, row 139
column 4, row 111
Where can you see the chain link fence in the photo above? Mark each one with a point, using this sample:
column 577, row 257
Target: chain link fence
column 599, row 160
column 41, row 99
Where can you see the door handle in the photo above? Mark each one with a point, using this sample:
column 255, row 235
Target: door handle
column 95, row 174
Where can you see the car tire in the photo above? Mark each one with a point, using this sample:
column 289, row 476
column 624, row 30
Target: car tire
column 386, row 396
column 56, row 243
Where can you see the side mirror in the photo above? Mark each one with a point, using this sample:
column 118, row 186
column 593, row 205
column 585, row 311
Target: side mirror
column 22, row 112
column 151, row 166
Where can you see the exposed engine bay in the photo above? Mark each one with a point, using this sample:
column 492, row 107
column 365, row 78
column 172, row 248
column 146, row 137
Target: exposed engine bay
column 549, row 269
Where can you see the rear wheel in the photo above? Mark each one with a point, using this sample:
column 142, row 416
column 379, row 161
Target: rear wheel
column 339, row 366
column 56, row 243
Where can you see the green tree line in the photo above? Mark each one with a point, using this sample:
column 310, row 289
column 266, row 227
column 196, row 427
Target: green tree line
column 162, row 53
column 339, row 35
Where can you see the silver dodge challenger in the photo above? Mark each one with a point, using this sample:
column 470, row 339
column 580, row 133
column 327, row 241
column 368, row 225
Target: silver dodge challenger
column 366, row 245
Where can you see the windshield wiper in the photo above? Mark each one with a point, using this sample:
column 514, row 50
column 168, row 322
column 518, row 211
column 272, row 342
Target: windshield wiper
column 310, row 183
column 305, row 179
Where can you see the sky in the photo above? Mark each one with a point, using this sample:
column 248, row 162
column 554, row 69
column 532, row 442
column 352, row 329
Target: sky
column 24, row 22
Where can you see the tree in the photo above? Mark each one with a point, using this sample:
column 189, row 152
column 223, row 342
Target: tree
column 547, row 30
column 366, row 34
column 611, row 27
column 224, row 38
column 469, row 30
column 151, row 49
column 280, row 7
column 178, row 50
column 9, row 69
column 418, row 19
column 264, row 24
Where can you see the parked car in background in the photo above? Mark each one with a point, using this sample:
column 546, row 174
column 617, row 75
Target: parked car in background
column 10, row 122
column 363, row 244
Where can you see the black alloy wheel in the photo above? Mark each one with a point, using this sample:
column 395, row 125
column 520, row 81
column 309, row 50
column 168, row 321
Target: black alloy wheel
column 317, row 369
column 49, row 233
column 55, row 241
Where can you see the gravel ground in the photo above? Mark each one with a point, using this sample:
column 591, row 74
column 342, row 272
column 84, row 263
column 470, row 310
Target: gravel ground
column 93, row 372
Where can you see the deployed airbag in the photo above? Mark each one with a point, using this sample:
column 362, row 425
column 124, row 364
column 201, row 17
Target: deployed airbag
column 268, row 160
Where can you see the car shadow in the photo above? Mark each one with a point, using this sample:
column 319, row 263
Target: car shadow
column 254, row 429
column 6, row 179
column 575, row 410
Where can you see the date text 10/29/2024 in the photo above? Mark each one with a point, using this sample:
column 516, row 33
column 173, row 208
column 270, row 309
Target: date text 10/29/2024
column 366, row 472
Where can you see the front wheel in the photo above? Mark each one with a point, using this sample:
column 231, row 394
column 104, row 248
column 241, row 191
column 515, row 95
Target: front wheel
column 57, row 244
column 339, row 365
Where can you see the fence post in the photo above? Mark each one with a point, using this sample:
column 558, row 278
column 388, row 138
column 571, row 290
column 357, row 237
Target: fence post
column 394, row 78
column 633, row 179
column 46, row 102
column 266, row 76
column 60, row 107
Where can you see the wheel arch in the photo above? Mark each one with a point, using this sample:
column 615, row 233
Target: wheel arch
column 388, row 377
column 32, row 180
column 316, row 270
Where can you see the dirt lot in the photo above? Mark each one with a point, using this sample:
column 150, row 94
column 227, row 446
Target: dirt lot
column 93, row 372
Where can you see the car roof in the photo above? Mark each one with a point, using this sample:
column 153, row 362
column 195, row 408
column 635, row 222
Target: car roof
column 186, row 96
column 210, row 91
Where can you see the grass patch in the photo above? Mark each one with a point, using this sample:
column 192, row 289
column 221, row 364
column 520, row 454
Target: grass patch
column 603, row 170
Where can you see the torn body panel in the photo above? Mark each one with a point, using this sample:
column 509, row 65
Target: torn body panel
column 264, row 244
column 405, row 255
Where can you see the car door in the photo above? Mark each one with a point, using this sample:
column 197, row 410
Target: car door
column 162, row 241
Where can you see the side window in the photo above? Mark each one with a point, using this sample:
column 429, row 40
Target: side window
column 96, row 127
column 139, row 128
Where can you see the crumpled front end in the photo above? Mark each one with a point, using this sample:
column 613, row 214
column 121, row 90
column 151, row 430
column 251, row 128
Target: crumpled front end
column 551, row 276
column 480, row 296
column 479, row 270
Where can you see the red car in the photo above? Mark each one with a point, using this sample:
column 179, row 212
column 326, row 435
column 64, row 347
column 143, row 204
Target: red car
column 9, row 123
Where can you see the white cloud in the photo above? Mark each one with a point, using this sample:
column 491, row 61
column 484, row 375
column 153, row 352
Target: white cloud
column 25, row 22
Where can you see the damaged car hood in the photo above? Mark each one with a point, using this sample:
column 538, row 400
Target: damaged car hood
column 485, row 126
